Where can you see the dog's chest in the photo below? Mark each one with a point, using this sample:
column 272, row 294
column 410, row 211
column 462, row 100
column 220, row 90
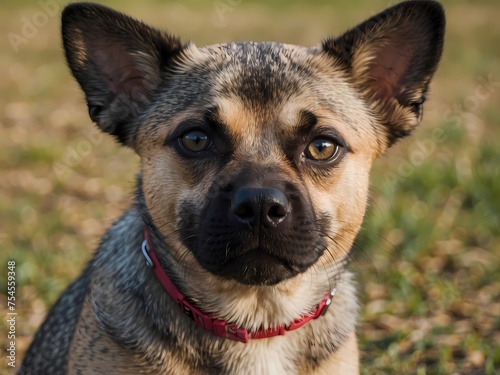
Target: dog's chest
column 266, row 357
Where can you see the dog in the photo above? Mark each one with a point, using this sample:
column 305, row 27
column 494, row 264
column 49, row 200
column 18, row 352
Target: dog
column 255, row 159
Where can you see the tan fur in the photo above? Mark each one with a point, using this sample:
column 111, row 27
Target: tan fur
column 344, row 361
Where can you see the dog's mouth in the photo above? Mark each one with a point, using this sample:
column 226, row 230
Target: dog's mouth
column 259, row 267
column 252, row 262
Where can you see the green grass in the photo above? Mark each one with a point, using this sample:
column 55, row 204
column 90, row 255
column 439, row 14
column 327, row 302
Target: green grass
column 428, row 255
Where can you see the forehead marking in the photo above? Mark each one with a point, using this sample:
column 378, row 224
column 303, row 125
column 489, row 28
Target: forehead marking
column 269, row 84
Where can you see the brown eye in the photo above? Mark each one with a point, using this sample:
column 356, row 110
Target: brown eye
column 322, row 149
column 196, row 141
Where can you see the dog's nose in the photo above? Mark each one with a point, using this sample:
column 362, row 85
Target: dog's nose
column 260, row 206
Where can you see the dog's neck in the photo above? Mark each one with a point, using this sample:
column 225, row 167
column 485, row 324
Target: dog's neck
column 220, row 327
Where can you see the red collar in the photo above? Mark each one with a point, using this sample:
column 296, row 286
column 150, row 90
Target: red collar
column 217, row 326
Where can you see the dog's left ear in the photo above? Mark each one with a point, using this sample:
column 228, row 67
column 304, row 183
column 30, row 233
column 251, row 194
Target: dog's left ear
column 392, row 57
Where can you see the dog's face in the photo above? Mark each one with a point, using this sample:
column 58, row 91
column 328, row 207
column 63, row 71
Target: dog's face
column 256, row 156
column 265, row 168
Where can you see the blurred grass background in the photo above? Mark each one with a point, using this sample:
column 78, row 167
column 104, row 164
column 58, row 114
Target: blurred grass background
column 428, row 255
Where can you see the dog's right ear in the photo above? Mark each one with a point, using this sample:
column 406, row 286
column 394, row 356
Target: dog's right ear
column 391, row 58
column 118, row 62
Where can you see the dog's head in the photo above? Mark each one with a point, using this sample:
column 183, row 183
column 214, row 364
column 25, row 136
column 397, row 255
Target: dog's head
column 256, row 156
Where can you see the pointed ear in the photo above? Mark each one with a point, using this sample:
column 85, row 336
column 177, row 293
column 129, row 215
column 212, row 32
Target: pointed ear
column 391, row 58
column 117, row 61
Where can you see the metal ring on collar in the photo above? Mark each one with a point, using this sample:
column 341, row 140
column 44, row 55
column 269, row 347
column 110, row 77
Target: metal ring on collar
column 145, row 250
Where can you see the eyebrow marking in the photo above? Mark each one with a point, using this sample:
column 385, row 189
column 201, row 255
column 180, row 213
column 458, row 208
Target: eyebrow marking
column 216, row 124
column 219, row 128
column 214, row 120
column 307, row 121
